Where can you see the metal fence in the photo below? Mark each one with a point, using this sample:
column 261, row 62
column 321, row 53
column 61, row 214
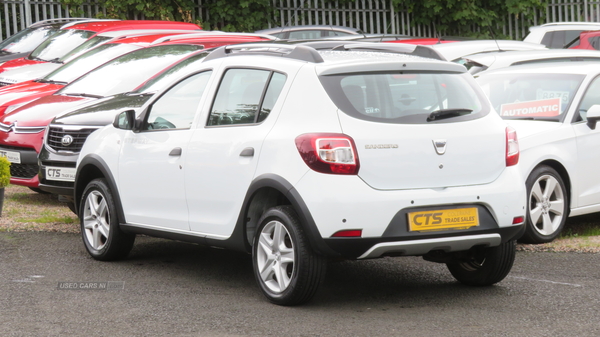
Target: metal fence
column 371, row 16
column 380, row 17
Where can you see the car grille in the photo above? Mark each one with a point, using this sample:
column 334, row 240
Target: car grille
column 26, row 171
column 56, row 134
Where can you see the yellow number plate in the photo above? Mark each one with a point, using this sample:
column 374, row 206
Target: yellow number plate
column 461, row 218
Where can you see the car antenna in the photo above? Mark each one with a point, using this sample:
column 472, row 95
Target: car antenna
column 383, row 35
column 436, row 33
column 293, row 16
column 494, row 37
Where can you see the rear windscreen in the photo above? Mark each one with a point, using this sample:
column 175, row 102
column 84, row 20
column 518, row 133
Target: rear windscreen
column 531, row 96
column 407, row 98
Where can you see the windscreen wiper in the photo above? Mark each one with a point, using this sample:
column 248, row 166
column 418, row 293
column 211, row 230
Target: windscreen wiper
column 83, row 95
column 43, row 80
column 447, row 113
column 56, row 60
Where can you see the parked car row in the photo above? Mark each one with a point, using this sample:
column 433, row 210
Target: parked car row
column 301, row 151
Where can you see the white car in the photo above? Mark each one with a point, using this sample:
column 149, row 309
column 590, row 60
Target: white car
column 558, row 34
column 297, row 155
column 554, row 110
column 478, row 63
column 454, row 51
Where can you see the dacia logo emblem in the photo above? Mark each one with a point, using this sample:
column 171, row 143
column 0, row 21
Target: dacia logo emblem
column 440, row 146
column 66, row 140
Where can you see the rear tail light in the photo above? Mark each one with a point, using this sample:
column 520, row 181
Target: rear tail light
column 512, row 147
column 333, row 153
column 518, row 220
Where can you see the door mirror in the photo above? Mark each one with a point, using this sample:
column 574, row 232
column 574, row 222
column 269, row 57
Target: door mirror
column 593, row 116
column 125, row 120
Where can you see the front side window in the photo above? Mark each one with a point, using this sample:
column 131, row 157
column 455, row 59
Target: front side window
column 531, row 96
column 245, row 96
column 591, row 97
column 407, row 97
column 125, row 73
column 60, row 44
column 177, row 107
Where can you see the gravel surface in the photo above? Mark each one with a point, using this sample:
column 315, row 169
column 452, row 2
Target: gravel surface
column 26, row 210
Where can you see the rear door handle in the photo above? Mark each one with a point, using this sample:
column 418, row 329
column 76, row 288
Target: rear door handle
column 175, row 152
column 247, row 152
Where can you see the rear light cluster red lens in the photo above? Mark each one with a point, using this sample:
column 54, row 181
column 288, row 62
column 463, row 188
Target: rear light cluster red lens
column 512, row 147
column 332, row 153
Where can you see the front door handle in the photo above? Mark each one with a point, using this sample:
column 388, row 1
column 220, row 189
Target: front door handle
column 247, row 152
column 175, row 152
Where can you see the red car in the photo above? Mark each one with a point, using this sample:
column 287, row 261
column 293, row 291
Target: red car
column 62, row 43
column 16, row 95
column 22, row 130
column 587, row 40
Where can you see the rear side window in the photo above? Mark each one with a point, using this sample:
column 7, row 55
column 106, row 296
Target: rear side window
column 406, row 98
column 306, row 34
column 561, row 38
column 245, row 96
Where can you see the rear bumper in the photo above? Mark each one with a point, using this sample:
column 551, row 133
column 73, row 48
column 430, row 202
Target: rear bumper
column 367, row 248
column 344, row 203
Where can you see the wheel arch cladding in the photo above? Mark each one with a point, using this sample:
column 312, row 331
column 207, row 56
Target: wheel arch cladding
column 90, row 168
column 270, row 190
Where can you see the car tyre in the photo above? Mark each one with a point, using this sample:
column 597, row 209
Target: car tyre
column 102, row 236
column 547, row 206
column 286, row 268
column 484, row 266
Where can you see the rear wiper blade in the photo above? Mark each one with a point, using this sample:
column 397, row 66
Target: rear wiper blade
column 545, row 119
column 42, row 80
column 84, row 95
column 447, row 113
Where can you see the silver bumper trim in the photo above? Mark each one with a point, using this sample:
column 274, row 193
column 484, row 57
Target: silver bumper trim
column 422, row 247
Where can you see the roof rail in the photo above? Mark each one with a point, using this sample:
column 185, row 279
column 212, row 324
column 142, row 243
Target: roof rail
column 296, row 52
column 570, row 23
column 86, row 21
column 396, row 48
column 207, row 32
column 56, row 20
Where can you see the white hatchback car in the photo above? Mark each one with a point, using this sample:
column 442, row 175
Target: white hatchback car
column 297, row 155
column 559, row 34
column 554, row 110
